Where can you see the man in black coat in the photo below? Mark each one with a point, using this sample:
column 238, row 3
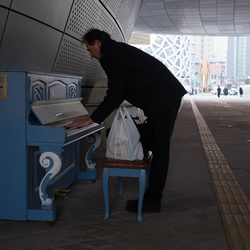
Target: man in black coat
column 145, row 82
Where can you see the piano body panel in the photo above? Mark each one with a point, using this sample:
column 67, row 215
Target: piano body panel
column 45, row 135
column 13, row 181
column 13, row 177
column 24, row 143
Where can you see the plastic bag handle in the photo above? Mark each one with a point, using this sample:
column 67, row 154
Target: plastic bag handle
column 124, row 112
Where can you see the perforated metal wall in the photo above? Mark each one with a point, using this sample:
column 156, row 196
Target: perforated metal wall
column 121, row 10
column 72, row 57
column 5, row 2
column 84, row 15
column 128, row 8
column 3, row 16
column 49, row 12
column 113, row 5
column 49, row 33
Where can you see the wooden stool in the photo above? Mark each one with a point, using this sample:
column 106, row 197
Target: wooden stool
column 124, row 168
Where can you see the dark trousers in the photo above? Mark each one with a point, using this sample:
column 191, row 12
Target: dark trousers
column 163, row 126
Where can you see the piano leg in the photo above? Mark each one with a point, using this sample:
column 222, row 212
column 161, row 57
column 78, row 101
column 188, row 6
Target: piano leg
column 94, row 140
column 52, row 163
column 50, row 160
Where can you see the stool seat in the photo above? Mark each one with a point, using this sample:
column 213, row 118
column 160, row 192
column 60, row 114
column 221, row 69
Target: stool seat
column 137, row 164
column 125, row 168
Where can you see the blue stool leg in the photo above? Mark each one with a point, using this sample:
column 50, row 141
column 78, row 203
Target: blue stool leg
column 120, row 186
column 142, row 183
column 105, row 179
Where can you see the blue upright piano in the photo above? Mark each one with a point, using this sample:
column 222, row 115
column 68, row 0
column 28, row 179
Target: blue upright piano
column 38, row 155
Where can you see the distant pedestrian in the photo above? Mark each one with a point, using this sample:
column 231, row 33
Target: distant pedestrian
column 225, row 91
column 218, row 91
column 241, row 91
column 191, row 91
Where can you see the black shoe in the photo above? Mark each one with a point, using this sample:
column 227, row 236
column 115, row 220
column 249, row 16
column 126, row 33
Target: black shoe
column 147, row 207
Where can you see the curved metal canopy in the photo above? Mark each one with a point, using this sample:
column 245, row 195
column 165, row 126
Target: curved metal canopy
column 194, row 17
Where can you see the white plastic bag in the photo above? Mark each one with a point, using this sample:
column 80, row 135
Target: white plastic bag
column 123, row 141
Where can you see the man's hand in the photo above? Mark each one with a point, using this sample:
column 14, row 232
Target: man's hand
column 80, row 121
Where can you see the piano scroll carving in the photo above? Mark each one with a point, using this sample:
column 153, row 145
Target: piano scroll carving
column 38, row 91
column 72, row 90
column 41, row 90
column 51, row 162
column 94, row 140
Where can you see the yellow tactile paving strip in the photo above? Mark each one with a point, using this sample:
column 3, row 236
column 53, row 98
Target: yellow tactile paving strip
column 233, row 202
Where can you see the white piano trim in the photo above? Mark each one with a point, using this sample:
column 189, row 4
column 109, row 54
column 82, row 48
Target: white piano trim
column 95, row 141
column 52, row 164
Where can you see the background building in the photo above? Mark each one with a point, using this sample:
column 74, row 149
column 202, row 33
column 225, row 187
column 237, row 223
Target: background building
column 183, row 55
column 238, row 65
column 215, row 48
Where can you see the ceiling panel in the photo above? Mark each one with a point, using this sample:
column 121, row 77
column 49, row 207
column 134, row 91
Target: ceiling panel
column 194, row 17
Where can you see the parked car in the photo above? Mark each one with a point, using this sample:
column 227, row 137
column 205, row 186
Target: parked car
column 234, row 90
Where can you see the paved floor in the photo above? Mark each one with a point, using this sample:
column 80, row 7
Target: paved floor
column 191, row 217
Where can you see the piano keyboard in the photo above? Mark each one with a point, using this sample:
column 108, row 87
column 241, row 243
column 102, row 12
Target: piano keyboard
column 79, row 130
